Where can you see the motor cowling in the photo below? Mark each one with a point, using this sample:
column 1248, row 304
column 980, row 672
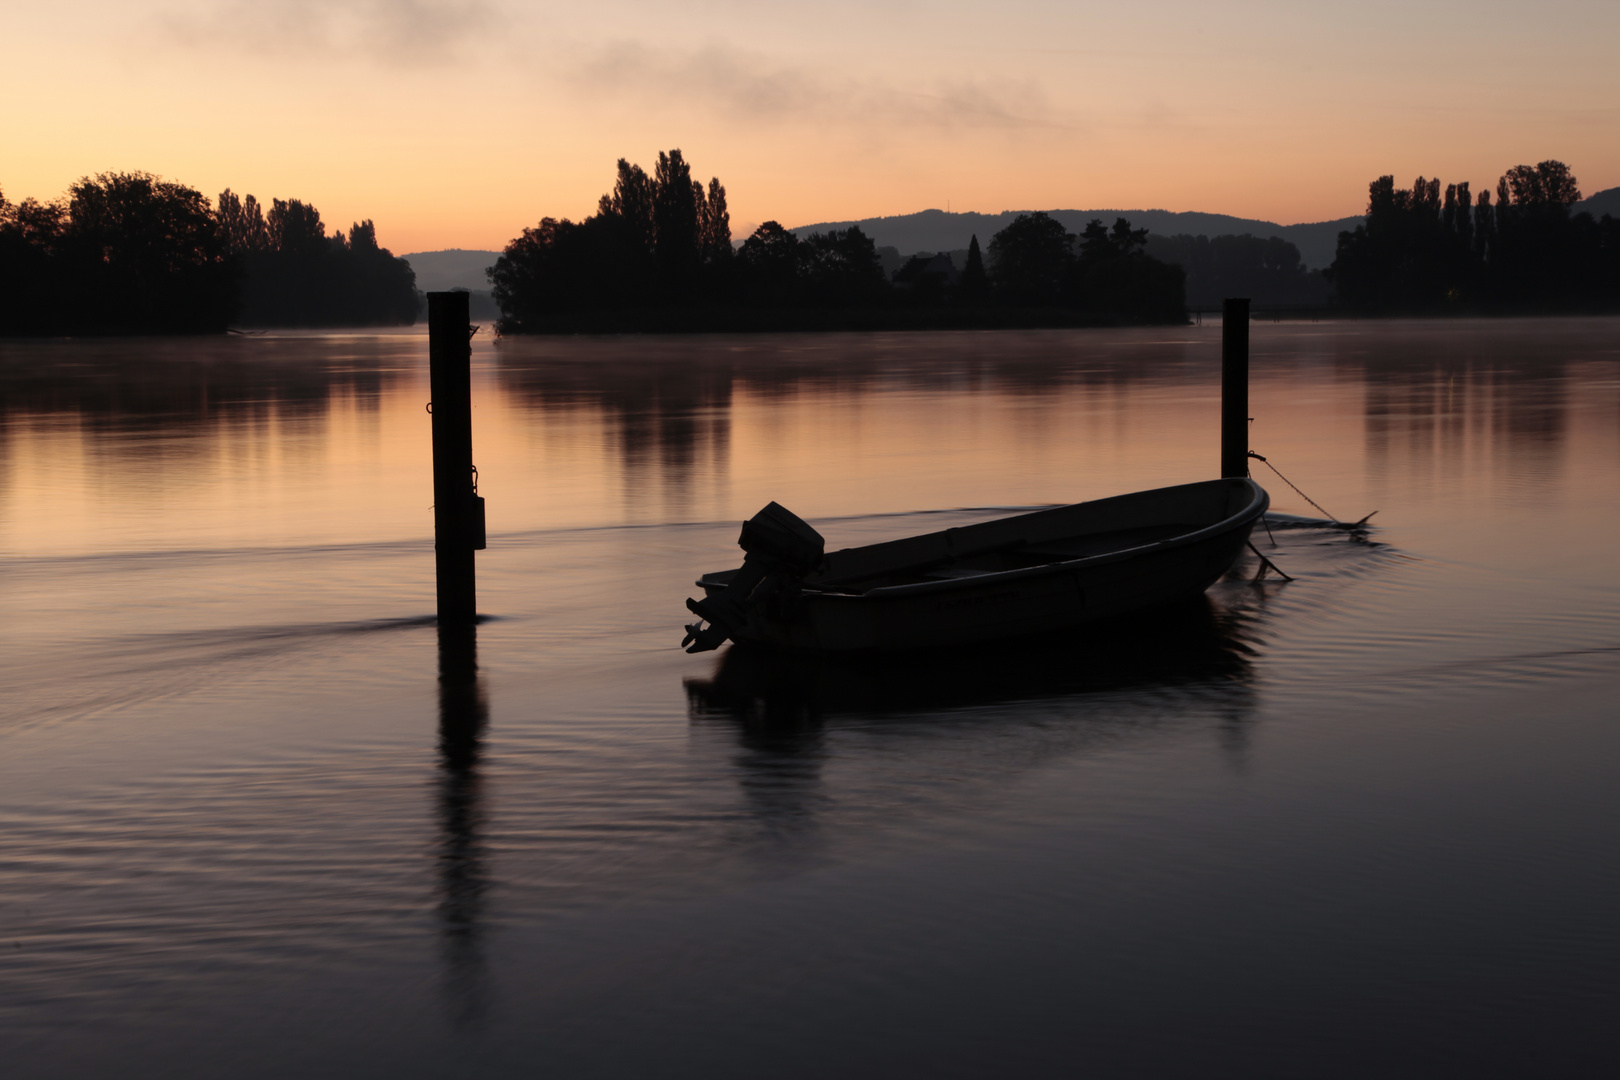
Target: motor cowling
column 778, row 536
column 780, row 547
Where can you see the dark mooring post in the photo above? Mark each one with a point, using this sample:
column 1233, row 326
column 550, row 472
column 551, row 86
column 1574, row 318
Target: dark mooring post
column 456, row 524
column 1235, row 388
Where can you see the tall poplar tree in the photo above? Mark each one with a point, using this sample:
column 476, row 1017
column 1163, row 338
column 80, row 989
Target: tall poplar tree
column 675, row 226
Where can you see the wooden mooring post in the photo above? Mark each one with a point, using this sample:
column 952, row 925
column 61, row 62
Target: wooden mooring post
column 1235, row 388
column 458, row 512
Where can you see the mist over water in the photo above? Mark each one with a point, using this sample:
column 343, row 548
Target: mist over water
column 1364, row 821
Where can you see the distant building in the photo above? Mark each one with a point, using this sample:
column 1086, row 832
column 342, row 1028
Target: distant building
column 927, row 272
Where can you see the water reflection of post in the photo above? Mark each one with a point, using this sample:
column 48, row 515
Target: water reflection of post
column 463, row 873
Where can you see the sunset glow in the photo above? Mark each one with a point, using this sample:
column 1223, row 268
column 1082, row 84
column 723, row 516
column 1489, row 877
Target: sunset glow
column 458, row 122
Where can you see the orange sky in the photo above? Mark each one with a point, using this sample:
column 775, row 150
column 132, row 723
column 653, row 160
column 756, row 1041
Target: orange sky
column 454, row 123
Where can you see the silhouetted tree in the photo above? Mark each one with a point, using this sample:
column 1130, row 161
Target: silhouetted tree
column 1268, row 271
column 1116, row 280
column 1484, row 229
column 1524, row 252
column 133, row 253
column 625, row 223
column 714, row 229
column 295, row 228
column 771, row 265
column 675, row 226
column 631, row 200
column 372, row 287
column 241, row 223
column 528, row 280
column 1549, row 184
column 31, row 274
column 1104, row 272
column 973, row 287
column 664, row 241
column 141, row 254
column 1464, row 226
column 654, row 240
column 295, row 275
column 841, row 269
column 1400, row 259
column 1544, row 258
column 1097, row 243
column 1032, row 260
column 559, row 267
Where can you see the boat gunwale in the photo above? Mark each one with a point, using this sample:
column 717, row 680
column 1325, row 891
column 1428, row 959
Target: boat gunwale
column 1259, row 500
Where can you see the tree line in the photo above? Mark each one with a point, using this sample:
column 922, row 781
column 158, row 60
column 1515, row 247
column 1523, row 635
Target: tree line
column 662, row 241
column 130, row 253
column 296, row 275
column 133, row 253
column 1424, row 252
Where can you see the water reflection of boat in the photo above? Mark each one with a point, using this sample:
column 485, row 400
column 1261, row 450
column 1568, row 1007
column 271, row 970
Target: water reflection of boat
column 1035, row 573
column 951, row 726
column 1193, row 652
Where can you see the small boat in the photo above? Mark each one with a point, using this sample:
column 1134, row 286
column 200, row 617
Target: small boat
column 1034, row 573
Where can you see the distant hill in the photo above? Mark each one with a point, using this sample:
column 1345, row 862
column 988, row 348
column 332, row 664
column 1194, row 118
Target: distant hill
column 936, row 230
column 1604, row 202
column 453, row 268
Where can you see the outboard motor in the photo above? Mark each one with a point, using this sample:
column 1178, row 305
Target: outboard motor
column 780, row 548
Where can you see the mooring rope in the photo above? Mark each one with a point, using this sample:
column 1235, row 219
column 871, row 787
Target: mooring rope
column 1295, row 486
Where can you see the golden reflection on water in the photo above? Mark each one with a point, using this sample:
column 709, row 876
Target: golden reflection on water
column 132, row 446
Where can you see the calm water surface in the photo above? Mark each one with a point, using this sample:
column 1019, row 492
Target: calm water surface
column 1363, row 823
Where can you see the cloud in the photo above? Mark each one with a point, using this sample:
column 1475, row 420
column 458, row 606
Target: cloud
column 750, row 88
column 392, row 31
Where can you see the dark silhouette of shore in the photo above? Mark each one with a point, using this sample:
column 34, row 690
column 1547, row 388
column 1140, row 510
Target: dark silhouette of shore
column 132, row 253
column 658, row 254
column 1423, row 253
column 293, row 274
